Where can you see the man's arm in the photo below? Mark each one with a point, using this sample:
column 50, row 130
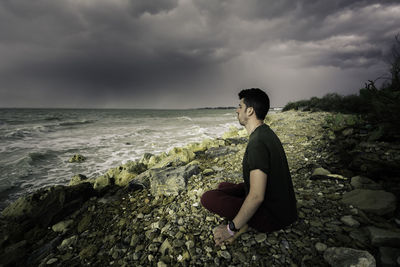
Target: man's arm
column 258, row 182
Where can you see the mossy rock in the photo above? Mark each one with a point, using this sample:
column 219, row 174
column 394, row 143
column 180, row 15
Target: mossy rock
column 77, row 158
column 84, row 223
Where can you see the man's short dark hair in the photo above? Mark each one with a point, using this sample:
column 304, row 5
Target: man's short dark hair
column 257, row 99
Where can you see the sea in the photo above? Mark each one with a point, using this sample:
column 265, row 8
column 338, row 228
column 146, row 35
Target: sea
column 36, row 144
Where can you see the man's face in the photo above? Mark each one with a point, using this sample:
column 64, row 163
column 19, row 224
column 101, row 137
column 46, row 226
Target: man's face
column 241, row 113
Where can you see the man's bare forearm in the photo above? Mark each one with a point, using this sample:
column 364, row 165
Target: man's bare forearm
column 248, row 209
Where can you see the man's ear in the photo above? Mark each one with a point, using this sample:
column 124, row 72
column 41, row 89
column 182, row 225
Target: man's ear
column 250, row 111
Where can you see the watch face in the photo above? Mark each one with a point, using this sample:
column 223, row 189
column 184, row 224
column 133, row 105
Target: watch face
column 232, row 226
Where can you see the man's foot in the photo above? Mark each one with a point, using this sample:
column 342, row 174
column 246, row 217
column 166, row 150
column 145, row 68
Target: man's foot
column 237, row 234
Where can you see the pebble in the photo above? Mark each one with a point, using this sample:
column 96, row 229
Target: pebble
column 320, row 247
column 51, row 261
column 209, row 219
column 261, row 237
column 189, row 244
column 225, row 254
column 245, row 236
column 349, row 221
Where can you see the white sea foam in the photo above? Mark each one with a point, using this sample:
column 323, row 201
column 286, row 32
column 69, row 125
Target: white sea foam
column 35, row 149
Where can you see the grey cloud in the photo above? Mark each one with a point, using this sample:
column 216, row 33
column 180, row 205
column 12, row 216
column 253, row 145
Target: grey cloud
column 95, row 49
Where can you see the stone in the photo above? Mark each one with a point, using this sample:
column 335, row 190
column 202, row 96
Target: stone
column 320, row 247
column 165, row 248
column 349, row 221
column 153, row 247
column 171, row 181
column 225, row 254
column 216, row 152
column 125, row 173
column 184, row 257
column 388, row 256
column 51, row 261
column 13, row 252
column 344, row 257
column 62, row 226
column 361, row 182
column 102, row 182
column 77, row 158
column 336, row 176
column 134, row 240
column 381, row 237
column 145, row 158
column 261, row 237
column 77, row 179
column 207, row 172
column 161, row 264
column 68, row 242
column 84, row 223
column 347, row 131
column 375, row 201
column 320, row 172
column 88, row 252
column 50, row 204
column 189, row 244
column 233, row 132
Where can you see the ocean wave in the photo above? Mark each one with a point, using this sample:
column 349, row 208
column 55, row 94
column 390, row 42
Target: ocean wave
column 20, row 133
column 73, row 123
column 40, row 156
column 52, row 118
column 146, row 131
column 185, row 118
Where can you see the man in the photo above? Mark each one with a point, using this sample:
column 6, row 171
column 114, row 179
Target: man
column 266, row 200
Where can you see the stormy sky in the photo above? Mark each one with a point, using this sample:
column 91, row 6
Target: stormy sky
column 188, row 53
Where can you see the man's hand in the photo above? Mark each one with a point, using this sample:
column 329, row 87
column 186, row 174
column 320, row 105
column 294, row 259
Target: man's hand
column 221, row 234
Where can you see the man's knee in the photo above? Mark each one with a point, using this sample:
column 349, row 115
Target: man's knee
column 206, row 199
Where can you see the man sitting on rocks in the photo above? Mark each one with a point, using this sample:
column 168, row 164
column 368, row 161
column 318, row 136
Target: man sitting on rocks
column 266, row 200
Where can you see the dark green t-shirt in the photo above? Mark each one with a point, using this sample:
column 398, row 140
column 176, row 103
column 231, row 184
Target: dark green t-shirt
column 265, row 152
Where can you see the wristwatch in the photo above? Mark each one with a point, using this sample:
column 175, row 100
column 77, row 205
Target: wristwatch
column 232, row 227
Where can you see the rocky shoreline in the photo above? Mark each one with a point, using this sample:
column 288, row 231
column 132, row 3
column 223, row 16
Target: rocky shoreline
column 148, row 213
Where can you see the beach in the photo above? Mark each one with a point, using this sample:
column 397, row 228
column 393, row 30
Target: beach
column 147, row 212
column 36, row 144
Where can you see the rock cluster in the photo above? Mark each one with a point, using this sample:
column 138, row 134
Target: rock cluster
column 148, row 212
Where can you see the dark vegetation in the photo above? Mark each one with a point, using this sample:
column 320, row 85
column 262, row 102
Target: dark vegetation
column 378, row 107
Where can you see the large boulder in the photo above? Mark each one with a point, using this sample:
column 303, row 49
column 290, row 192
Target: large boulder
column 375, row 201
column 344, row 257
column 102, row 182
column 48, row 205
column 120, row 175
column 175, row 157
column 123, row 174
column 361, row 182
column 170, row 181
column 78, row 179
column 388, row 256
column 381, row 237
column 216, row 152
column 232, row 133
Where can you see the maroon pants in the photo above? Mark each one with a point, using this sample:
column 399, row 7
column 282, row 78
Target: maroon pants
column 226, row 201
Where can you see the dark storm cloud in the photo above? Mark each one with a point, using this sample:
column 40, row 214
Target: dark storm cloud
column 100, row 52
